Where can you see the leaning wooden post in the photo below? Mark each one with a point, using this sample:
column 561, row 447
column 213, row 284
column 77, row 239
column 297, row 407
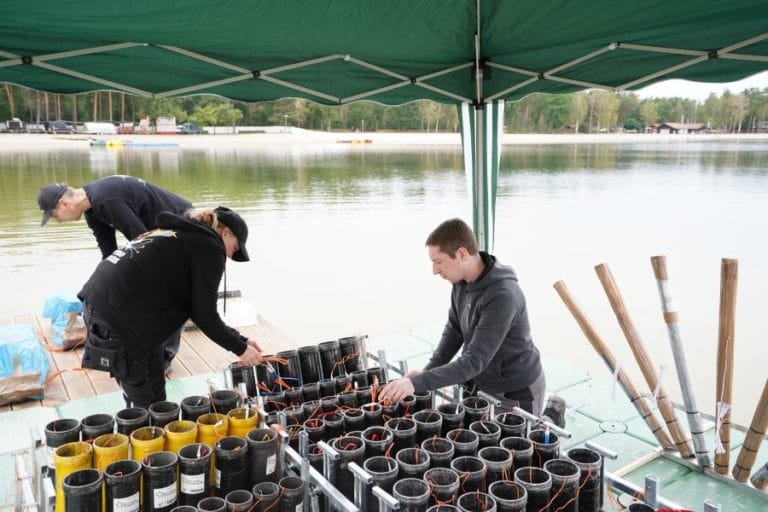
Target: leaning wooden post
column 659, row 264
column 754, row 437
column 602, row 350
column 729, row 273
column 643, row 360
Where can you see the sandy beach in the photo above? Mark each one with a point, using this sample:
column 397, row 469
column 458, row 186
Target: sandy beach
column 378, row 140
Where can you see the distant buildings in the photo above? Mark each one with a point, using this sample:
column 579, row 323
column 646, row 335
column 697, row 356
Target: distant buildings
column 680, row 128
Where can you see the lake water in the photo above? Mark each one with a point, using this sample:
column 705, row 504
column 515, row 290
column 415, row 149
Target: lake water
column 337, row 237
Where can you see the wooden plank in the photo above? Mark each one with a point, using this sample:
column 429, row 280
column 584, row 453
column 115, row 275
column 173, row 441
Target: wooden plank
column 55, row 392
column 191, row 360
column 207, row 350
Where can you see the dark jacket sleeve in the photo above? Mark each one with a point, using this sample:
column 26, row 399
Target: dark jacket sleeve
column 104, row 233
column 123, row 218
column 496, row 316
column 207, row 269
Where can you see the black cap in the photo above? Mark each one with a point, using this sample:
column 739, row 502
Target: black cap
column 48, row 197
column 237, row 225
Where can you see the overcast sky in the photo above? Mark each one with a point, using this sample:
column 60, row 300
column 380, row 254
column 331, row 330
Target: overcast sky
column 698, row 90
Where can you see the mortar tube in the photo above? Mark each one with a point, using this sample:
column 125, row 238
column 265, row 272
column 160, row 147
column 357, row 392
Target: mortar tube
column 488, row 432
column 312, row 409
column 511, row 424
column 109, row 448
column 406, row 406
column 264, row 495
column 334, row 424
column 315, row 429
column 295, row 413
column 212, row 504
column 192, row 407
column 341, row 383
column 476, row 502
column 239, row 500
column 242, row 420
column 354, row 419
column 95, row 425
column 61, row 431
column 130, row 419
column 329, row 403
column 274, row 402
column 565, row 484
column 315, row 457
column 389, row 411
column 412, row 494
column 477, row 409
column 429, row 424
column 443, row 508
column 372, row 413
column 265, row 379
column 377, row 441
column 351, row 449
column 146, row 440
column 311, row 392
column 348, row 399
column 453, row 417
column 211, row 427
column 423, row 401
column 159, row 482
column 499, row 462
column 294, row 397
column 537, row 484
column 330, row 357
column 472, row 472
column 184, row 508
column 640, row 507
column 231, row 465
column 224, row 400
column 378, row 373
column 404, row 433
column 310, row 364
column 521, row 450
column 359, row 379
column 83, row 491
column 444, row 485
column 589, row 462
column 162, row 413
column 440, row 450
column 122, row 481
column 194, row 473
column 465, row 442
column 291, row 371
column 384, row 472
column 352, row 353
column 413, row 462
column 363, row 395
column 327, row 387
column 544, row 451
column 262, row 455
column 509, row 496
column 354, row 433
column 179, row 433
column 294, row 431
column 292, row 491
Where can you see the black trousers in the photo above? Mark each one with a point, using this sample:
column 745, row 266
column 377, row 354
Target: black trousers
column 141, row 380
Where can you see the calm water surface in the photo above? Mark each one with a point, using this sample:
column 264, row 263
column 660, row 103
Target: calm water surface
column 337, row 237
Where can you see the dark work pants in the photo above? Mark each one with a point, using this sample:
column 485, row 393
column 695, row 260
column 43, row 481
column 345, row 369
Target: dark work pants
column 529, row 399
column 142, row 381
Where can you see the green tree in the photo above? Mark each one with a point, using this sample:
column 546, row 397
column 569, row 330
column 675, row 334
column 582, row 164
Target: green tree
column 649, row 113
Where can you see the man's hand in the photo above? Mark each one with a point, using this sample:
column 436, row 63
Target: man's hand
column 255, row 344
column 251, row 356
column 396, row 390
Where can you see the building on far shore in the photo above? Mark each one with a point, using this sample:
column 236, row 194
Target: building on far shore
column 679, row 128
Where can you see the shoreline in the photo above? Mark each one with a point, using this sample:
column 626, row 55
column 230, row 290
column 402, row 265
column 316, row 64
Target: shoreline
column 298, row 137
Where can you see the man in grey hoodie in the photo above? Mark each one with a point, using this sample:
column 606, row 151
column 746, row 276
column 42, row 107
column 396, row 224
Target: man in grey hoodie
column 488, row 321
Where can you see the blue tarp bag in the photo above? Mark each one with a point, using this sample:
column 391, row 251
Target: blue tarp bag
column 21, row 357
column 60, row 307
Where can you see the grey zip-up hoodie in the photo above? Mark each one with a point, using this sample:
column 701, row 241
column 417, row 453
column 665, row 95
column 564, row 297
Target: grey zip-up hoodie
column 488, row 320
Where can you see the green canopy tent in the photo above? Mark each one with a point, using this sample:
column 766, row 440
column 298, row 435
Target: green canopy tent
column 474, row 53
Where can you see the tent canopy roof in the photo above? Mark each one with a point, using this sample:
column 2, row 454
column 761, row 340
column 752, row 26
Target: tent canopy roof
column 390, row 51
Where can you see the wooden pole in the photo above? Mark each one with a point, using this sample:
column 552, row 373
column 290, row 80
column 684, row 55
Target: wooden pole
column 729, row 272
column 604, row 352
column 659, row 264
column 643, row 359
column 754, row 437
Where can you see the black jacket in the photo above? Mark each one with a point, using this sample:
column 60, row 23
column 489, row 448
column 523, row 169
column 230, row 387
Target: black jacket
column 488, row 320
column 129, row 205
column 149, row 288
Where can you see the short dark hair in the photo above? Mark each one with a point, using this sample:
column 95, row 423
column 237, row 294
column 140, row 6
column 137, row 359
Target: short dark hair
column 452, row 234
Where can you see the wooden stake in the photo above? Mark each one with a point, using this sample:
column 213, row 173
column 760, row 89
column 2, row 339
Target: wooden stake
column 754, row 437
column 604, row 352
column 643, row 360
column 729, row 273
column 659, row 264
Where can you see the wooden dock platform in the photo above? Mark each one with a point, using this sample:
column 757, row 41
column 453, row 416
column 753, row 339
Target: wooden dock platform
column 197, row 355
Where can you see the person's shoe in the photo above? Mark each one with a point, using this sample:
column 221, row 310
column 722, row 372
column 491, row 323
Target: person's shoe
column 555, row 411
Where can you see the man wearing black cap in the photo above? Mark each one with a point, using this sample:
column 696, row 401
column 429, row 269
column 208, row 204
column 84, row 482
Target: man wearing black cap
column 114, row 203
column 147, row 289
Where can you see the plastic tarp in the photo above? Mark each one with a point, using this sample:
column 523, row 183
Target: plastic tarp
column 23, row 363
column 62, row 309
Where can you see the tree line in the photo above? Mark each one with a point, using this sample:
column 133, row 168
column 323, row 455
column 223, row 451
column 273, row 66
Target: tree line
column 586, row 112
